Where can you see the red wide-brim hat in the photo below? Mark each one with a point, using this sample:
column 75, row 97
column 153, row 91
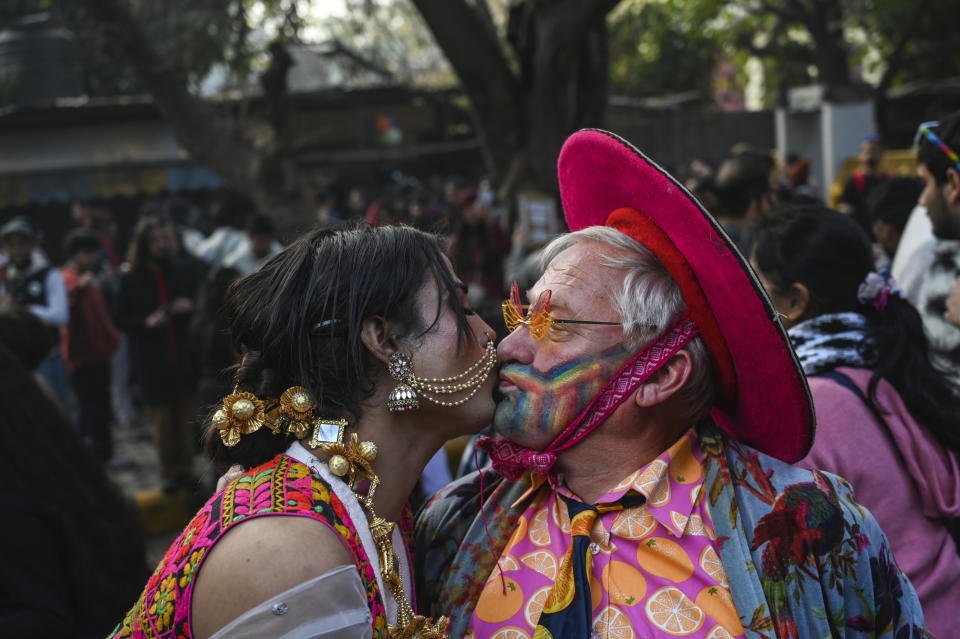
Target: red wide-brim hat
column 765, row 402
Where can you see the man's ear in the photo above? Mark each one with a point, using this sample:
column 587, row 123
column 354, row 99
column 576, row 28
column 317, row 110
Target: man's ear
column 669, row 379
column 952, row 190
column 378, row 336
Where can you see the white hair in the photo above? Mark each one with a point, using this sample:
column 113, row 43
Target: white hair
column 648, row 303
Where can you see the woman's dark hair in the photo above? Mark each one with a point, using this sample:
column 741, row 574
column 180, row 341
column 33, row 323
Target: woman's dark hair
column 81, row 241
column 25, row 335
column 75, row 537
column 742, row 179
column 138, row 255
column 298, row 319
column 892, row 201
column 830, row 254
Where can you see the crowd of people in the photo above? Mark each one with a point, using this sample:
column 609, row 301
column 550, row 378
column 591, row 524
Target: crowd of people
column 724, row 410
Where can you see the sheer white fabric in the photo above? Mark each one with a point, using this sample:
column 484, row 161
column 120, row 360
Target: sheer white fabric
column 299, row 452
column 331, row 606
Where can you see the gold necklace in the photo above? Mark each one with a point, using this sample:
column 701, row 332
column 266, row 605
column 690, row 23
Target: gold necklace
column 351, row 460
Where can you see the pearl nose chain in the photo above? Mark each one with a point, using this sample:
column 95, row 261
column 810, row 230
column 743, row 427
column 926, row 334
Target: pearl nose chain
column 469, row 380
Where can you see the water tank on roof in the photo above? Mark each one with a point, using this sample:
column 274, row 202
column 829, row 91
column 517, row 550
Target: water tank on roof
column 38, row 62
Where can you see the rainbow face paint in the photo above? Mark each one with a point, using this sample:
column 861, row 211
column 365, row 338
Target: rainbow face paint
column 541, row 404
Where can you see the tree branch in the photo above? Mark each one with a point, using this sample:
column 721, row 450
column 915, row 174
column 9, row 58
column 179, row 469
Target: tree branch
column 210, row 139
column 896, row 59
column 476, row 56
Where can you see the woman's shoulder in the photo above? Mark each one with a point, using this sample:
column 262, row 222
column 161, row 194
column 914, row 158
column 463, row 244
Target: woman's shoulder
column 257, row 560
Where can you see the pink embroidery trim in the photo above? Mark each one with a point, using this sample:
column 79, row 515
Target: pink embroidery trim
column 511, row 460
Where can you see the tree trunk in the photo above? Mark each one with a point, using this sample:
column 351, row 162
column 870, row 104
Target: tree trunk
column 523, row 116
column 824, row 21
column 567, row 88
column 209, row 138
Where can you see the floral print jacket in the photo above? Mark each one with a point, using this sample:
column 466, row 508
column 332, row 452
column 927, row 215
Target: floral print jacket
column 802, row 557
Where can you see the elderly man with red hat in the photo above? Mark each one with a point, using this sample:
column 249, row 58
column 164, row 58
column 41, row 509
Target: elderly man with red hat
column 652, row 406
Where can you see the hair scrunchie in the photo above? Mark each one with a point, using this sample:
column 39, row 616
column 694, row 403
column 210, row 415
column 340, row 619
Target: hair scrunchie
column 877, row 288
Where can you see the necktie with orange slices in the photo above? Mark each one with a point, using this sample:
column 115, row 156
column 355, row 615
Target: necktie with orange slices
column 568, row 609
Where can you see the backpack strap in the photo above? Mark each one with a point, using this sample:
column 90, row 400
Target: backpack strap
column 859, row 181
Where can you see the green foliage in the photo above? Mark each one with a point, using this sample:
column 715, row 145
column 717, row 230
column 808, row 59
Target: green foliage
column 873, row 38
column 664, row 46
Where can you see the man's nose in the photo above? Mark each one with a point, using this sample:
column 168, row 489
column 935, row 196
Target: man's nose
column 518, row 346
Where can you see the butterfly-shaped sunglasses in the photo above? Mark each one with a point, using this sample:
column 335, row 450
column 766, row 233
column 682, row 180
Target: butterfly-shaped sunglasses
column 537, row 318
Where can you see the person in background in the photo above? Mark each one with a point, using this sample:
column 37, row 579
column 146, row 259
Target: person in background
column 914, row 253
column 88, row 340
column 866, row 177
column 230, row 214
column 104, row 225
column 874, row 387
column 890, row 205
column 72, row 550
column 31, row 282
column 210, row 339
column 477, row 249
column 325, row 207
column 952, row 314
column 795, row 181
column 745, row 189
column 938, row 164
column 258, row 247
column 156, row 301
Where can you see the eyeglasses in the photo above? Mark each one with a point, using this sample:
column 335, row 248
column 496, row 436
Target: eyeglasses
column 925, row 130
column 538, row 318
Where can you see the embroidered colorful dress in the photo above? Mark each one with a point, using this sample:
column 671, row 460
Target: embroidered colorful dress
column 281, row 487
column 801, row 557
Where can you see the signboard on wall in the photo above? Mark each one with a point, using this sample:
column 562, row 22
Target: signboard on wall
column 537, row 217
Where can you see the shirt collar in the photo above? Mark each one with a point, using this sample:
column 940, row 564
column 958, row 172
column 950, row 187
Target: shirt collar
column 670, row 502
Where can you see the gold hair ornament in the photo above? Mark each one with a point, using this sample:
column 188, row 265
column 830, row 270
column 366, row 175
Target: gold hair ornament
column 293, row 413
column 241, row 414
column 296, row 411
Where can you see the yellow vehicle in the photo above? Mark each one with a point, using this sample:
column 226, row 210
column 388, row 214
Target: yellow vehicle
column 896, row 161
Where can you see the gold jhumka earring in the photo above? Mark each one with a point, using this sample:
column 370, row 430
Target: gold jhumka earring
column 404, row 396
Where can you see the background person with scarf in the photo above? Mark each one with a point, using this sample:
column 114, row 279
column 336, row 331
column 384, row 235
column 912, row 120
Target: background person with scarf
column 856, row 336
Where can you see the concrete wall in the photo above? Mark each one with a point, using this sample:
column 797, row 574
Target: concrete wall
column 675, row 137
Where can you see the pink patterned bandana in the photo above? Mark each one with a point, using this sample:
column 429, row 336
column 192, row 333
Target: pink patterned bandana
column 511, row 460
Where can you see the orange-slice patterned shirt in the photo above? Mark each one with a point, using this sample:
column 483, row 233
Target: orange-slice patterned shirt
column 655, row 568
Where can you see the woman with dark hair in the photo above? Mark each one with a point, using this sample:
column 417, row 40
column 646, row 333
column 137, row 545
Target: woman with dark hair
column 72, row 546
column 887, row 417
column 359, row 359
column 154, row 306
